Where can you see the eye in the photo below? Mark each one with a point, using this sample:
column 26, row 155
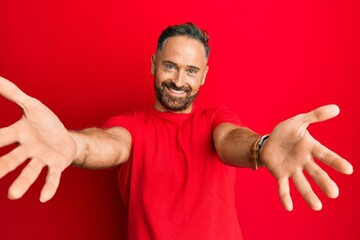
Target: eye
column 192, row 71
column 170, row 67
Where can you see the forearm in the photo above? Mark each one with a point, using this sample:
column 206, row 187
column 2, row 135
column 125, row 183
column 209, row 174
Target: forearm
column 233, row 145
column 97, row 148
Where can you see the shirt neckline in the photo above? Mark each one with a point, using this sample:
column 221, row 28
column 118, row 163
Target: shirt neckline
column 173, row 116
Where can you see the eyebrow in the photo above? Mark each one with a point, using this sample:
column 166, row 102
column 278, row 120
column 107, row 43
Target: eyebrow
column 172, row 63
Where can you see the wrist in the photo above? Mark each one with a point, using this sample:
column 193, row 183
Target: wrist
column 80, row 147
column 256, row 151
column 261, row 150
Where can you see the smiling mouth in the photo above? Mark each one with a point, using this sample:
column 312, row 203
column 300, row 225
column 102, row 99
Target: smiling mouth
column 174, row 91
column 177, row 92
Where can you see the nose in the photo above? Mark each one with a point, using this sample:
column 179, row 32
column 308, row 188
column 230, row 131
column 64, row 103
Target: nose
column 180, row 78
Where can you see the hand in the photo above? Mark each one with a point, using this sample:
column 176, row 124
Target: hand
column 41, row 137
column 291, row 149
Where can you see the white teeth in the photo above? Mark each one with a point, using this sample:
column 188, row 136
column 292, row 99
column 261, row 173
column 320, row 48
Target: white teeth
column 176, row 91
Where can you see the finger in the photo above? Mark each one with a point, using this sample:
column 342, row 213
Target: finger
column 319, row 114
column 330, row 158
column 12, row 160
column 51, row 184
column 10, row 91
column 306, row 191
column 284, row 192
column 322, row 179
column 26, row 178
column 8, row 135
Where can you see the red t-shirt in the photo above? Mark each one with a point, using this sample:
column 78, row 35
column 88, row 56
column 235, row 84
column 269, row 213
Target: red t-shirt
column 174, row 184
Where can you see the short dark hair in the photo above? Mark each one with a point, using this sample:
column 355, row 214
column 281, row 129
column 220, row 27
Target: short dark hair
column 188, row 29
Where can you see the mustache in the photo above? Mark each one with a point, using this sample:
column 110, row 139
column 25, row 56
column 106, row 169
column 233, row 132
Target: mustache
column 172, row 85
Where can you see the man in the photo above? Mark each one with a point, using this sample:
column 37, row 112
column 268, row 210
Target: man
column 176, row 175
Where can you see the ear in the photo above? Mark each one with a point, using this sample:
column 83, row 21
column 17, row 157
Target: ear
column 205, row 73
column 153, row 63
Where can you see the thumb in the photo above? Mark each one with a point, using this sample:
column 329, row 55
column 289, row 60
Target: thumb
column 319, row 114
column 11, row 92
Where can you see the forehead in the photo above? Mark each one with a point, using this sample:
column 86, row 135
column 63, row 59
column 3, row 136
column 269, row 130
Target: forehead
column 183, row 49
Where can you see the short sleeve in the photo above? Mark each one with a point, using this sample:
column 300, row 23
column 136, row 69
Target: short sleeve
column 221, row 115
column 125, row 120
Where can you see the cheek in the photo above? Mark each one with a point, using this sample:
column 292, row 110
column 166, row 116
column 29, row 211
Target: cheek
column 195, row 84
column 161, row 76
column 158, row 78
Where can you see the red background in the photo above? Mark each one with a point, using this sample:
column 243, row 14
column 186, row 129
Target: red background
column 89, row 60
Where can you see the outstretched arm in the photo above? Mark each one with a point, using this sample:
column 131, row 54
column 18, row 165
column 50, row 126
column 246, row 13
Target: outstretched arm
column 288, row 152
column 42, row 138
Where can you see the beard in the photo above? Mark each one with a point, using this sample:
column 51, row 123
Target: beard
column 175, row 104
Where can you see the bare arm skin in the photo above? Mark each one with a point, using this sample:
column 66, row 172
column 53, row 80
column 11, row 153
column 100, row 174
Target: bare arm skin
column 288, row 152
column 233, row 144
column 42, row 138
column 98, row 148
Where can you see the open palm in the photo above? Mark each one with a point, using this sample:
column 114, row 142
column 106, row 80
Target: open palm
column 41, row 137
column 291, row 149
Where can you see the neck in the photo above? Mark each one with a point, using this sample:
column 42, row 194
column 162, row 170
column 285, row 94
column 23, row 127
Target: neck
column 158, row 106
